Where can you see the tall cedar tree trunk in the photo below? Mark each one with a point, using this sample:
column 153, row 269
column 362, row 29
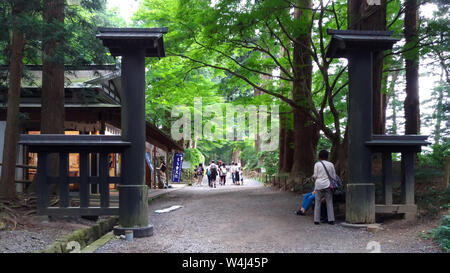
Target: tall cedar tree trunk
column 235, row 155
column 286, row 135
column 282, row 139
column 411, row 104
column 52, row 110
column 393, row 96
column 288, row 146
column 7, row 181
column 439, row 112
column 339, row 155
column 361, row 16
column 306, row 133
column 286, row 140
column 258, row 140
column 257, row 92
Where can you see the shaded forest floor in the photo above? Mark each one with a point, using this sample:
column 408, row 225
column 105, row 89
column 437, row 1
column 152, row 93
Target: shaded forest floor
column 35, row 233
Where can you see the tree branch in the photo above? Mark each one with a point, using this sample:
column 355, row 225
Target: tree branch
column 283, row 98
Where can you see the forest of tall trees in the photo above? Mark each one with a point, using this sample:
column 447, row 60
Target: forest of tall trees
column 263, row 52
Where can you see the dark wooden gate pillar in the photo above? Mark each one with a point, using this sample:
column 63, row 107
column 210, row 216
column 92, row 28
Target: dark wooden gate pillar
column 358, row 47
column 360, row 205
column 387, row 177
column 360, row 119
column 133, row 45
column 407, row 178
column 133, row 190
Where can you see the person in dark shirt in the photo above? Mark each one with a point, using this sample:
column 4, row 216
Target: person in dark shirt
column 213, row 169
column 162, row 172
column 199, row 171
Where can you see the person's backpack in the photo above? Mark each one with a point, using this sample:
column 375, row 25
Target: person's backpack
column 335, row 183
column 199, row 171
column 213, row 170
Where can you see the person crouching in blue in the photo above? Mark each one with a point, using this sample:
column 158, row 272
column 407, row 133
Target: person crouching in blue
column 321, row 190
column 306, row 203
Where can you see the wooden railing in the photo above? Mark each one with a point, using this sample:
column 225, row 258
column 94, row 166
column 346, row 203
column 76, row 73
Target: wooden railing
column 45, row 145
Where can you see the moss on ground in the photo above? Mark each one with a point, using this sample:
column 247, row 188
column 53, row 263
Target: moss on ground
column 83, row 236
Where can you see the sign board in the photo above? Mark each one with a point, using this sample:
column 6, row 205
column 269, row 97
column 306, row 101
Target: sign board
column 177, row 165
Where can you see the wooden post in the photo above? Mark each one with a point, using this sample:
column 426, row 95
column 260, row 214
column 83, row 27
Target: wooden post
column 387, row 177
column 360, row 203
column 154, row 167
column 360, row 198
column 408, row 183
column 358, row 47
column 43, row 188
column 359, row 116
column 84, row 179
column 408, row 178
column 64, row 180
column 169, row 166
column 103, row 180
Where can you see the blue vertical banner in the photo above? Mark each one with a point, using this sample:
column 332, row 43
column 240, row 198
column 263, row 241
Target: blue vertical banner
column 177, row 165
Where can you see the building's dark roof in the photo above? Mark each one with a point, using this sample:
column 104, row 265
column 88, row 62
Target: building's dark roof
column 120, row 39
column 68, row 105
column 111, row 84
column 67, row 67
column 81, row 84
column 72, row 140
column 107, row 85
column 133, row 31
column 152, row 133
column 344, row 41
column 155, row 133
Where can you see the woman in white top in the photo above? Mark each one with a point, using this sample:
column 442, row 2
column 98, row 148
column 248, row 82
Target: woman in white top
column 322, row 186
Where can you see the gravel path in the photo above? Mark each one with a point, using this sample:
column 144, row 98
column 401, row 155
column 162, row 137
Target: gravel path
column 253, row 218
column 38, row 234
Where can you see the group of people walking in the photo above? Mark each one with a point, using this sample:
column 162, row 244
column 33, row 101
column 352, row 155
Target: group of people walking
column 326, row 184
column 219, row 170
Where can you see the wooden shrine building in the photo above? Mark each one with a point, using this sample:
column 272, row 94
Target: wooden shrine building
column 93, row 107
